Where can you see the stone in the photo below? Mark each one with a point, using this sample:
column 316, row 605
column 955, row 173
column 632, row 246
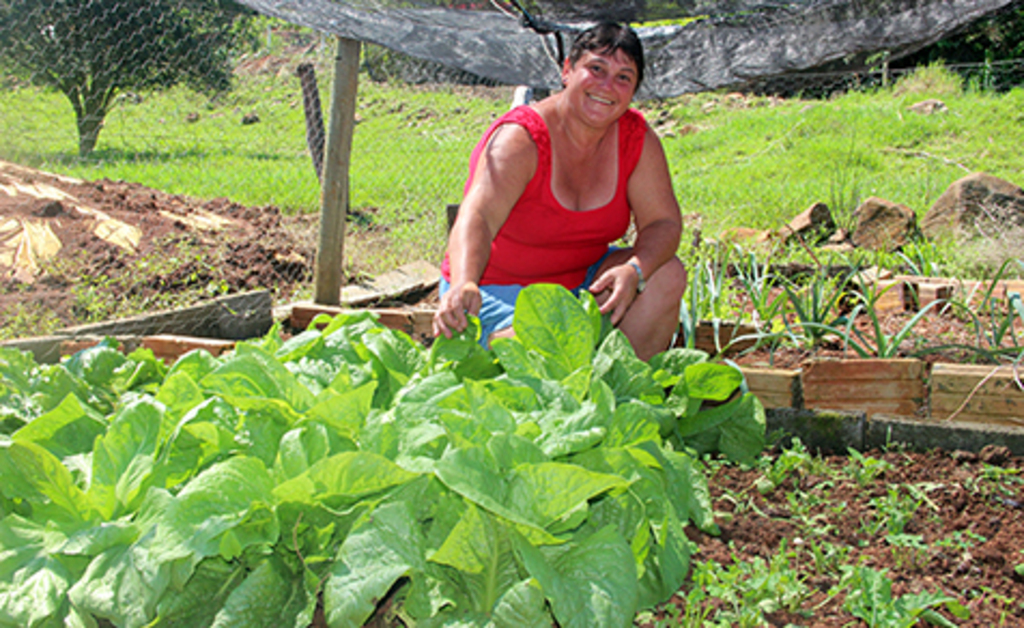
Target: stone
column 928, row 107
column 883, row 225
column 839, row 236
column 814, row 223
column 838, row 247
column 746, row 235
column 978, row 205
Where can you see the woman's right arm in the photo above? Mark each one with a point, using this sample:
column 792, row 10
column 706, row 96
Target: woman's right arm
column 503, row 170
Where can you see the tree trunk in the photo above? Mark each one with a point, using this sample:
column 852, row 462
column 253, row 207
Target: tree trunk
column 91, row 103
column 89, row 125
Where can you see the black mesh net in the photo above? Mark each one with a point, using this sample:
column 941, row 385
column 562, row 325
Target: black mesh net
column 690, row 45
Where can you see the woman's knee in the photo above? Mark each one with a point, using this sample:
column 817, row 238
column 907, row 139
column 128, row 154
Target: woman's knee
column 670, row 279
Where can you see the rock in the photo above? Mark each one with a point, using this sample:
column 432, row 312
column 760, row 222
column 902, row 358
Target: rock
column 882, row 224
column 995, row 454
column 51, row 209
column 250, row 118
column 839, row 236
column 976, row 205
column 838, row 247
column 961, row 455
column 872, row 275
column 928, row 107
column 814, row 223
column 740, row 235
column 191, row 117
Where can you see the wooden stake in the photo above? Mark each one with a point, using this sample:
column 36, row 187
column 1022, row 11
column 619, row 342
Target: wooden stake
column 330, row 255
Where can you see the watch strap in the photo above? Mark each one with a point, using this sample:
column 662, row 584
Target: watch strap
column 640, row 275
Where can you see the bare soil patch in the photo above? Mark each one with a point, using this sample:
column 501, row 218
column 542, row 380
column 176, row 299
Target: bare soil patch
column 119, row 248
column 970, row 523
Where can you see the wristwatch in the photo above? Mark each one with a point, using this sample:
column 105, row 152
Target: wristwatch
column 640, row 275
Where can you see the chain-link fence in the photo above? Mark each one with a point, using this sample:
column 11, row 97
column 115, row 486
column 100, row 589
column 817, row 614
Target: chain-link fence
column 996, row 76
column 173, row 189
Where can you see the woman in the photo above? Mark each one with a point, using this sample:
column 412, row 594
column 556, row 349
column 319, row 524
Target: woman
column 552, row 185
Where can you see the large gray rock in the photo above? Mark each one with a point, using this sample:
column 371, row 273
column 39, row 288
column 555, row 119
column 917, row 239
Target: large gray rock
column 976, row 205
column 883, row 225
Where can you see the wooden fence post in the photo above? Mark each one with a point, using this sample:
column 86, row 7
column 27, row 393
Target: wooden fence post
column 330, row 255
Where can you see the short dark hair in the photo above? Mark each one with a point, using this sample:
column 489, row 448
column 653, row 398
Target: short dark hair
column 609, row 37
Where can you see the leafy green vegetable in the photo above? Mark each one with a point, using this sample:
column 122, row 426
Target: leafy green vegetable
column 548, row 479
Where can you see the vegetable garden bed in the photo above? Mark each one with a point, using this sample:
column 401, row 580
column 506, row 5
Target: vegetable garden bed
column 349, row 475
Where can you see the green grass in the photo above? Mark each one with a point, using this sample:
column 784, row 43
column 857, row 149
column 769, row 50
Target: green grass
column 752, row 162
column 758, row 166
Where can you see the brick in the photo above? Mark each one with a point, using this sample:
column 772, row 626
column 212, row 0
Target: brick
column 169, row 347
column 776, row 388
column 416, row 323
column 867, row 369
column 954, row 378
column 901, row 407
column 892, row 296
column 863, row 390
column 928, row 293
column 944, row 404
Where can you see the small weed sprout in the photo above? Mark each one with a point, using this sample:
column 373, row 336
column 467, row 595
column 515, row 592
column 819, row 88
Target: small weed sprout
column 793, row 460
column 865, row 469
column 1005, row 603
column 893, row 511
column 961, row 540
column 870, row 598
column 909, row 551
column 749, row 590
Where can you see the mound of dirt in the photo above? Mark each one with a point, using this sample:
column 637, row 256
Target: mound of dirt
column 73, row 251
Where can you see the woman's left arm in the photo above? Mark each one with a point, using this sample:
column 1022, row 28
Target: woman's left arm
column 659, row 226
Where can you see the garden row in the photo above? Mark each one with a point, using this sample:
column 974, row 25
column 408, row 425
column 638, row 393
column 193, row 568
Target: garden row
column 307, row 480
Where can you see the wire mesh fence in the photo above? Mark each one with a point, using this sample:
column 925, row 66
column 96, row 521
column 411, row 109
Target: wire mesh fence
column 222, row 186
column 995, row 76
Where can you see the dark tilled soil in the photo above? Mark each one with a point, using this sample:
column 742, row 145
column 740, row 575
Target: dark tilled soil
column 970, row 520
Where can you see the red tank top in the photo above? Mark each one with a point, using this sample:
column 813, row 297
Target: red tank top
column 542, row 241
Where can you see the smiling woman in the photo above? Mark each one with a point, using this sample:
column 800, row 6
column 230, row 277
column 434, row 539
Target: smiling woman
column 551, row 186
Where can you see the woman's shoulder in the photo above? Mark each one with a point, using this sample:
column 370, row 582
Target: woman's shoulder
column 633, row 122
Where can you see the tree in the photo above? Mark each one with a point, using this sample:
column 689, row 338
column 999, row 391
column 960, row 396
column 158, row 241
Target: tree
column 91, row 50
column 995, row 37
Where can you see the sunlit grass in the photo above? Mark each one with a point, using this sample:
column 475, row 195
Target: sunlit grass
column 737, row 161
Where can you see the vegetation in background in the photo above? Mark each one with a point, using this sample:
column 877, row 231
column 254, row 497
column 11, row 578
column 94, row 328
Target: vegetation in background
column 750, row 161
column 996, row 37
column 92, row 50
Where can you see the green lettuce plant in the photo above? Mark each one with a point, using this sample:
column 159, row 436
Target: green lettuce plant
column 546, row 480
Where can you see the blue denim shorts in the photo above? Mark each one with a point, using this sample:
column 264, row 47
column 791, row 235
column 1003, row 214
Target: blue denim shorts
column 498, row 302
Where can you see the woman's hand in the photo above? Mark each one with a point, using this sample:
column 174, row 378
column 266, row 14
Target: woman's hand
column 615, row 290
column 455, row 304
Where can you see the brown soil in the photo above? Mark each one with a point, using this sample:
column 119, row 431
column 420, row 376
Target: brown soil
column 971, row 522
column 186, row 251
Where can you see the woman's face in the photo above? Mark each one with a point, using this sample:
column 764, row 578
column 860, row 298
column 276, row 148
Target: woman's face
column 601, row 86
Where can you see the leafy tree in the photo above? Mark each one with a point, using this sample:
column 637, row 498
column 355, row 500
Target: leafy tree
column 995, row 37
column 91, row 50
